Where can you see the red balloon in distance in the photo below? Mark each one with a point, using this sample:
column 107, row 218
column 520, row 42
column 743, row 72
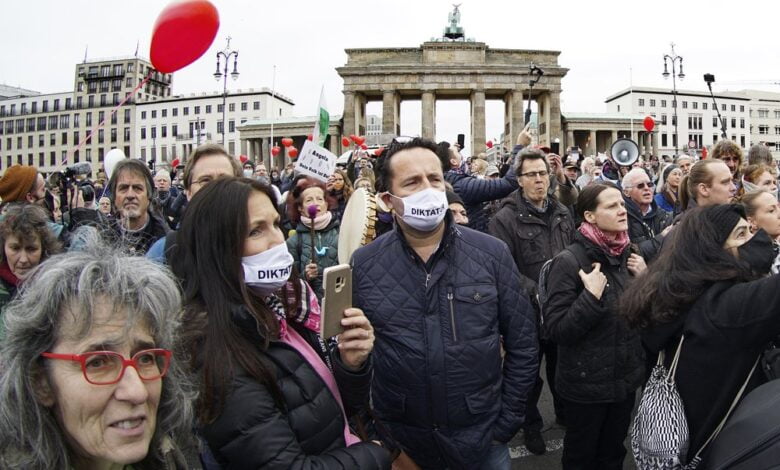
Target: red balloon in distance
column 243, row 159
column 360, row 140
column 352, row 137
column 345, row 141
column 287, row 141
column 649, row 123
column 184, row 30
column 175, row 163
column 309, row 137
column 489, row 144
column 379, row 151
column 364, row 146
column 292, row 152
column 275, row 150
column 704, row 153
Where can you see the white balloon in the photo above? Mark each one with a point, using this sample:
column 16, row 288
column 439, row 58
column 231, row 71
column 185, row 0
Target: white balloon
column 113, row 157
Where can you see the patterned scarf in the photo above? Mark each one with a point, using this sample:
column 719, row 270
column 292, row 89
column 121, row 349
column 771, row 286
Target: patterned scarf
column 611, row 246
column 306, row 313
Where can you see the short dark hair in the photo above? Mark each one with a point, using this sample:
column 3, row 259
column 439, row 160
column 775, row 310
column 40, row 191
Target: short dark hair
column 588, row 199
column 529, row 154
column 131, row 165
column 205, row 150
column 382, row 168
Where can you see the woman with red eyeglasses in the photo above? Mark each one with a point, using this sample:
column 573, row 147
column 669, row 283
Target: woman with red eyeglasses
column 87, row 378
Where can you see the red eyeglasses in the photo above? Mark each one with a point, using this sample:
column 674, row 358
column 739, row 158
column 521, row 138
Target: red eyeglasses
column 108, row 367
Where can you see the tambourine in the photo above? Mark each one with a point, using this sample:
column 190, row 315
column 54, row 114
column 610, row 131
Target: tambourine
column 358, row 224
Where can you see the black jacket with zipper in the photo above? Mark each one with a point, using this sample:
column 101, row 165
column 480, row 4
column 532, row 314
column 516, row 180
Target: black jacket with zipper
column 600, row 359
column 251, row 432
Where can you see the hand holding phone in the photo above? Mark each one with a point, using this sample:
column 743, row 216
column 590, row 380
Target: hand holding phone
column 357, row 340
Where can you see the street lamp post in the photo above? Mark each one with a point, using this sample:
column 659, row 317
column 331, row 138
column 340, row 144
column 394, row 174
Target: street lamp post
column 673, row 58
column 226, row 55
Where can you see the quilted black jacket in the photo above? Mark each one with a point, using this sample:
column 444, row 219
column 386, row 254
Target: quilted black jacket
column 475, row 192
column 600, row 359
column 251, row 432
column 439, row 383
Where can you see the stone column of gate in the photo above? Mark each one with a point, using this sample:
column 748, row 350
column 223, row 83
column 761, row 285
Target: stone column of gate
column 478, row 137
column 554, row 115
column 518, row 122
column 592, row 144
column 390, row 124
column 334, row 144
column 429, row 115
column 349, row 114
column 244, row 150
column 614, row 137
column 654, row 138
column 569, row 139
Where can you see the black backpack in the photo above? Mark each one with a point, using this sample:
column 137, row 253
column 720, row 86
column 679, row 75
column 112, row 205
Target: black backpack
column 541, row 292
column 750, row 440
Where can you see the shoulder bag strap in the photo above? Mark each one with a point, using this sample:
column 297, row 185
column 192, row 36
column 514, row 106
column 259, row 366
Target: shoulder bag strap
column 728, row 413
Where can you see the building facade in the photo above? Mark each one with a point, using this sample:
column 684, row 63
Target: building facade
column 45, row 130
column 171, row 128
column 764, row 119
column 697, row 120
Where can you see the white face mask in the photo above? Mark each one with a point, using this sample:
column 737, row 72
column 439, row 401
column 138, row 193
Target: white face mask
column 268, row 271
column 424, row 210
column 248, row 173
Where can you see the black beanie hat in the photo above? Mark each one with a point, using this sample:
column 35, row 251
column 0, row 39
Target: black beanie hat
column 453, row 198
column 724, row 218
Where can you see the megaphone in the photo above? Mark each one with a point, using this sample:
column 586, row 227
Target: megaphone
column 625, row 152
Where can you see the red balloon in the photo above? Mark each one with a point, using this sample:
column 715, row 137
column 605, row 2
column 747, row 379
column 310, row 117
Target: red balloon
column 489, row 144
column 649, row 123
column 175, row 163
column 243, row 159
column 275, row 150
column 345, row 142
column 352, row 137
column 364, row 146
column 287, row 141
column 309, row 137
column 184, row 30
column 292, row 152
column 704, row 153
column 360, row 140
column 379, row 151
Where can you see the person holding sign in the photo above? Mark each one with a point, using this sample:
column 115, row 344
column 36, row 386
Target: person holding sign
column 250, row 327
column 311, row 259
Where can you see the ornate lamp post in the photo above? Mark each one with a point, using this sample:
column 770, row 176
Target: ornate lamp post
column 226, row 55
column 673, row 58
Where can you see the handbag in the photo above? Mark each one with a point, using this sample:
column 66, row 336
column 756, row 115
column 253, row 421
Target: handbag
column 660, row 434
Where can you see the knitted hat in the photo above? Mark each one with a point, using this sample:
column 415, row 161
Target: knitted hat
column 669, row 169
column 17, row 182
column 453, row 198
column 724, row 218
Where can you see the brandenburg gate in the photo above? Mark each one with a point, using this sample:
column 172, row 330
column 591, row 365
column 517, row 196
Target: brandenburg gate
column 447, row 70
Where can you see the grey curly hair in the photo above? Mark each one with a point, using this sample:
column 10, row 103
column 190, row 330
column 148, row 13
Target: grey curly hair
column 78, row 283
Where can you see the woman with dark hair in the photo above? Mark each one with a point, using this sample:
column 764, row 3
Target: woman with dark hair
column 599, row 357
column 308, row 197
column 340, row 188
column 710, row 286
column 273, row 394
column 27, row 241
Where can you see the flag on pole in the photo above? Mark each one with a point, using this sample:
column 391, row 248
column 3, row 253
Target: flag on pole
column 322, row 123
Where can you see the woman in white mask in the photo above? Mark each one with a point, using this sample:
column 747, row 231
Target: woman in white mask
column 273, row 394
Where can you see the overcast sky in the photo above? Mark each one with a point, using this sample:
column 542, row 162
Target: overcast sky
column 599, row 41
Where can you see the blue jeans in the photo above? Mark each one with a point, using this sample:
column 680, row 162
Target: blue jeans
column 497, row 458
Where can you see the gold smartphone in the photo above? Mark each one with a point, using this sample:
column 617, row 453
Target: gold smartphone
column 337, row 290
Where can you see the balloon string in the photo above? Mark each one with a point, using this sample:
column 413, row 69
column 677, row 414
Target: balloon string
column 111, row 114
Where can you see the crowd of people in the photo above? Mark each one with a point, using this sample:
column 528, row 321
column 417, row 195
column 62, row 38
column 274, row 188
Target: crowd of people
column 172, row 319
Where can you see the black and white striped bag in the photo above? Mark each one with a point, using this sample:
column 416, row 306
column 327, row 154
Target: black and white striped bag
column 659, row 436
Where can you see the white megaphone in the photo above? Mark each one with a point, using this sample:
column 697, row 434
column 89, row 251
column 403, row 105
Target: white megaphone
column 625, row 152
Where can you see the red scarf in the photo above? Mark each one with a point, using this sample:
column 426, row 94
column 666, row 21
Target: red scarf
column 611, row 246
column 7, row 275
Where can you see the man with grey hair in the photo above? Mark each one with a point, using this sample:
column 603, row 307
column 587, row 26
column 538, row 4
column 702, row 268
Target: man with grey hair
column 646, row 221
column 131, row 188
column 684, row 162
